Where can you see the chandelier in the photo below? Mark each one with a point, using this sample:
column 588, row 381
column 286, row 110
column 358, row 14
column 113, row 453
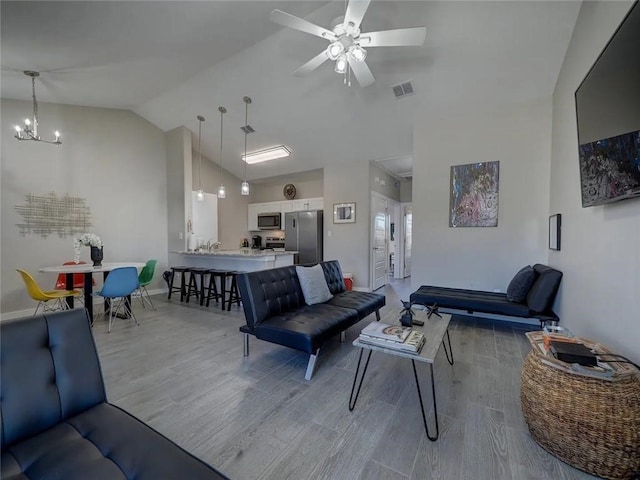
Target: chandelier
column 30, row 130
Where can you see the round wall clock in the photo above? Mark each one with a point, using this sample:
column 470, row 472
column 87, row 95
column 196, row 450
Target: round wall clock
column 289, row 191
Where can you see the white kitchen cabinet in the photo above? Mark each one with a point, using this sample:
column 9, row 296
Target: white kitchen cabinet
column 308, row 204
column 316, row 203
column 283, row 207
column 286, row 207
column 253, row 217
column 269, row 207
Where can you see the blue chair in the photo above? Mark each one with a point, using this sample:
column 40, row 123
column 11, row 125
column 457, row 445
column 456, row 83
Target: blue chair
column 120, row 284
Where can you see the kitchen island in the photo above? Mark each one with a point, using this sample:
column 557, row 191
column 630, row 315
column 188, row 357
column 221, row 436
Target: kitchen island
column 240, row 260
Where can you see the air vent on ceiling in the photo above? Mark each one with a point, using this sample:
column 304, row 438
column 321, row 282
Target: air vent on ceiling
column 247, row 129
column 402, row 89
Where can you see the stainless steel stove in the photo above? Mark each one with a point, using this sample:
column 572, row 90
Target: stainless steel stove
column 274, row 243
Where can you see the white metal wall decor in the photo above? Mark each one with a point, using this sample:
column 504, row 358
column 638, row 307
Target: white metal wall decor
column 45, row 215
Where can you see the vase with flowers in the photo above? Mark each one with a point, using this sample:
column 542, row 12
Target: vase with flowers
column 89, row 240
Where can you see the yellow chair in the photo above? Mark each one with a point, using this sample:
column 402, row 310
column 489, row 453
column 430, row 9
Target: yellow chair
column 35, row 292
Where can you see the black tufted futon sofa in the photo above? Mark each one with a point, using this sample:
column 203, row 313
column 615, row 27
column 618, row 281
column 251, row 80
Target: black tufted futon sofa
column 275, row 309
column 538, row 303
column 56, row 421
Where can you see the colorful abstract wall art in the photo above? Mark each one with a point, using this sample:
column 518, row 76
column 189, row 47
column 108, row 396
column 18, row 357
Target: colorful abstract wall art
column 474, row 195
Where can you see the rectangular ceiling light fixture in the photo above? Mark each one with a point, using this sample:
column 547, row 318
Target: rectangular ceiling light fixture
column 266, row 154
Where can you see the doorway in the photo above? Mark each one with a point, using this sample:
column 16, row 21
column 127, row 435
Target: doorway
column 407, row 243
column 379, row 257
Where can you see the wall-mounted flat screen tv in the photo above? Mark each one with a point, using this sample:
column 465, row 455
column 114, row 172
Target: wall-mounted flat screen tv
column 608, row 114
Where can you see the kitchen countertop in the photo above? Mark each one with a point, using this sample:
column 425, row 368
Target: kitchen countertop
column 237, row 253
column 245, row 260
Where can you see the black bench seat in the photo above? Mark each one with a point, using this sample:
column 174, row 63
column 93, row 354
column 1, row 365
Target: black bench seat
column 538, row 303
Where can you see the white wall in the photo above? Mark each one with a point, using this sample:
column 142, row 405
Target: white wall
column 178, row 147
column 112, row 158
column 383, row 183
column 600, row 256
column 406, row 194
column 519, row 137
column 271, row 190
column 232, row 210
column 348, row 242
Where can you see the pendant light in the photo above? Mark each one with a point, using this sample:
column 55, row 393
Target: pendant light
column 222, row 193
column 200, row 192
column 245, row 185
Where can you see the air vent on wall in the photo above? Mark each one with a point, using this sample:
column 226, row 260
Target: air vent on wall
column 402, row 89
column 247, row 129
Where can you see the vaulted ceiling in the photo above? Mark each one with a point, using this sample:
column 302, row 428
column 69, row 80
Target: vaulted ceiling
column 170, row 61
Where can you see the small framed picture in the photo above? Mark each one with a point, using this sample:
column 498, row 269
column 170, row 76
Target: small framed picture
column 555, row 223
column 344, row 213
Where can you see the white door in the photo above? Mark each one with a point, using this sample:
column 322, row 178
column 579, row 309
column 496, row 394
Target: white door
column 379, row 256
column 408, row 220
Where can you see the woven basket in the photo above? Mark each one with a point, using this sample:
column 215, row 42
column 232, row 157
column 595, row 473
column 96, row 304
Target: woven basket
column 590, row 423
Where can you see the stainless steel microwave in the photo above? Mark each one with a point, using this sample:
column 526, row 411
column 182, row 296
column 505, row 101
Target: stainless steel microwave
column 270, row 221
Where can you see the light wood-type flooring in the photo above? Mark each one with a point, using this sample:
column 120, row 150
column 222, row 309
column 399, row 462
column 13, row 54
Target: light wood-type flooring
column 182, row 372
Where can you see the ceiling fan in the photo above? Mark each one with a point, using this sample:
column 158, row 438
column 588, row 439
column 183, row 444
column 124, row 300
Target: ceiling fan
column 347, row 42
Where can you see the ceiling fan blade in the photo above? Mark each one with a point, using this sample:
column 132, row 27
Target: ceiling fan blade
column 362, row 73
column 297, row 23
column 402, row 37
column 355, row 12
column 312, row 64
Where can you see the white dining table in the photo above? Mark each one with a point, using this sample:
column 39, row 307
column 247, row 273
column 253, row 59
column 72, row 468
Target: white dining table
column 88, row 270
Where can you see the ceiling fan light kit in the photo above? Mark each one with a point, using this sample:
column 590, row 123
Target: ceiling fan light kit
column 347, row 41
column 341, row 64
column 334, row 50
column 30, row 130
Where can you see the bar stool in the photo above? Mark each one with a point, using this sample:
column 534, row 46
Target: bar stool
column 193, row 287
column 213, row 290
column 234, row 295
column 182, row 288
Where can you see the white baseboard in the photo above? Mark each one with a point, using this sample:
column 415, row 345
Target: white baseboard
column 361, row 289
column 97, row 301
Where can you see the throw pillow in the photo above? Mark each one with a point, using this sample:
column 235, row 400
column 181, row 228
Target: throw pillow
column 314, row 285
column 521, row 284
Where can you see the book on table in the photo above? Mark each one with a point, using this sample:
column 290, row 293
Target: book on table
column 384, row 331
column 412, row 343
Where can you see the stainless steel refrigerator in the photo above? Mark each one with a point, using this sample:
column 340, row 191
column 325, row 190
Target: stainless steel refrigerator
column 303, row 232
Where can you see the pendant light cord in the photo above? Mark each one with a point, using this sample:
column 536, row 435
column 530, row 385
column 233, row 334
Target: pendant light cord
column 200, row 119
column 222, row 112
column 246, row 122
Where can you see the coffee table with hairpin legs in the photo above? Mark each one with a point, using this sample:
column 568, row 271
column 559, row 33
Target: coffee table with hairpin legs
column 434, row 329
